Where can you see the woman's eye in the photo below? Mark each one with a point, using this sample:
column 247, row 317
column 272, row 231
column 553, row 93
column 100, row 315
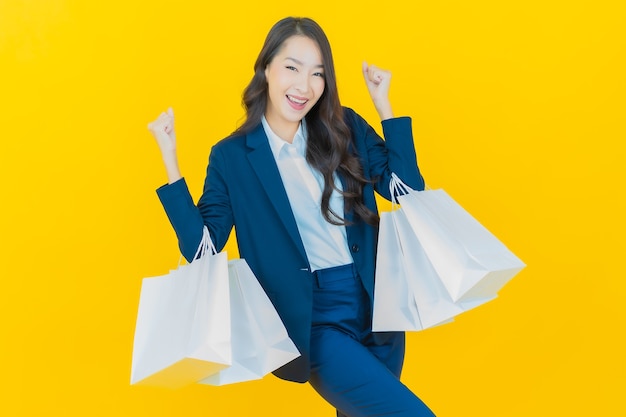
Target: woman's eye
column 319, row 74
column 291, row 68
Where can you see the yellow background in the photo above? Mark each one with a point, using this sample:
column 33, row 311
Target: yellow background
column 519, row 113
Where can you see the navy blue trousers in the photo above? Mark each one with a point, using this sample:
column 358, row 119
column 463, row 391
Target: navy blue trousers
column 358, row 376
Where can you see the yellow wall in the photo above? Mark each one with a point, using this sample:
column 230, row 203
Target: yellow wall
column 519, row 114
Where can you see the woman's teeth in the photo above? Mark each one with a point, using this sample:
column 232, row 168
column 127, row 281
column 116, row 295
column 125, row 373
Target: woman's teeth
column 295, row 100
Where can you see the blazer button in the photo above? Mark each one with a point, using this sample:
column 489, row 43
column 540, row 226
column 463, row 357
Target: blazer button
column 355, row 248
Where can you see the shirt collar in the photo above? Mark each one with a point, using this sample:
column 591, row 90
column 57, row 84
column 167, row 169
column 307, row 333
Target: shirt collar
column 277, row 144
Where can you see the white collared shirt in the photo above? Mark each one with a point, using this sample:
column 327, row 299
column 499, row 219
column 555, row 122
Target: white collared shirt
column 326, row 245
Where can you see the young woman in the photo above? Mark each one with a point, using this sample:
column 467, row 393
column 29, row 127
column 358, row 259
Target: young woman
column 297, row 182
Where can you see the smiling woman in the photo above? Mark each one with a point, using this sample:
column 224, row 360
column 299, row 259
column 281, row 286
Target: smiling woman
column 301, row 173
column 518, row 109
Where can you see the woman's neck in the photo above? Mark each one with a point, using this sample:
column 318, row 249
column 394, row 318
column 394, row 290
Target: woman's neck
column 285, row 131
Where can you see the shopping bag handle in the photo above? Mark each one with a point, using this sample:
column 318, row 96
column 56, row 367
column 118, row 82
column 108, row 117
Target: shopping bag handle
column 206, row 245
column 397, row 188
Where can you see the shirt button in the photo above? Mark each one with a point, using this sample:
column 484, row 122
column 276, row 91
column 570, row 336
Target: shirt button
column 355, row 248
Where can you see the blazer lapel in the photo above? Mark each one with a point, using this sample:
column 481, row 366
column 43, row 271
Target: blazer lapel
column 262, row 161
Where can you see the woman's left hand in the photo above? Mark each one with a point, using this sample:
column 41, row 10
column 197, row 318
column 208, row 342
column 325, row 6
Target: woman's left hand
column 378, row 81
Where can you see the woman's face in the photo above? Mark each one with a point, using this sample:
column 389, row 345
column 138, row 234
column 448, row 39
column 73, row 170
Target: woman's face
column 295, row 79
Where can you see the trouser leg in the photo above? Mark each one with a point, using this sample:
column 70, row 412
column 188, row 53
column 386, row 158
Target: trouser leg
column 357, row 376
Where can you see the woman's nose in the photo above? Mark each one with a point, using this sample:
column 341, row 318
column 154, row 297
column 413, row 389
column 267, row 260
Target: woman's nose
column 302, row 83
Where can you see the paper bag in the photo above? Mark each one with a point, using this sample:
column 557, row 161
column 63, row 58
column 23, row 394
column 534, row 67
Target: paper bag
column 260, row 343
column 471, row 262
column 434, row 261
column 183, row 323
column 408, row 294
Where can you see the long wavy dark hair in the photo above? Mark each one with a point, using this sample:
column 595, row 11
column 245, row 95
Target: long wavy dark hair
column 329, row 137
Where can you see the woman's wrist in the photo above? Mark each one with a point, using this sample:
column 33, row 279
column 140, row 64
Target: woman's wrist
column 170, row 160
column 384, row 110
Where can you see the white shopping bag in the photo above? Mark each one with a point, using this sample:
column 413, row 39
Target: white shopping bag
column 446, row 261
column 408, row 294
column 470, row 261
column 183, row 323
column 260, row 343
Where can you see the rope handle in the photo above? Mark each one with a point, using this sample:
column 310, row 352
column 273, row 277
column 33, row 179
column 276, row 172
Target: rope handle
column 397, row 188
column 206, row 245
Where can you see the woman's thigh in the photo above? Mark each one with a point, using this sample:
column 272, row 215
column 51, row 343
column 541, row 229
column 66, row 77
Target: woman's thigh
column 356, row 375
column 351, row 378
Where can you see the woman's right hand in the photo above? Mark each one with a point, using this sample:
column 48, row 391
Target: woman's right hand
column 163, row 131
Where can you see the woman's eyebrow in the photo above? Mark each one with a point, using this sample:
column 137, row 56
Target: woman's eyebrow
column 297, row 61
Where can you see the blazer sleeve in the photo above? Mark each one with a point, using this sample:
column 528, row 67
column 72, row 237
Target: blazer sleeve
column 380, row 158
column 213, row 209
column 183, row 215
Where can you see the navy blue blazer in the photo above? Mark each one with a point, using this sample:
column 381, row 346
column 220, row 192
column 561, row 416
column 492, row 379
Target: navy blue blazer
column 243, row 188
